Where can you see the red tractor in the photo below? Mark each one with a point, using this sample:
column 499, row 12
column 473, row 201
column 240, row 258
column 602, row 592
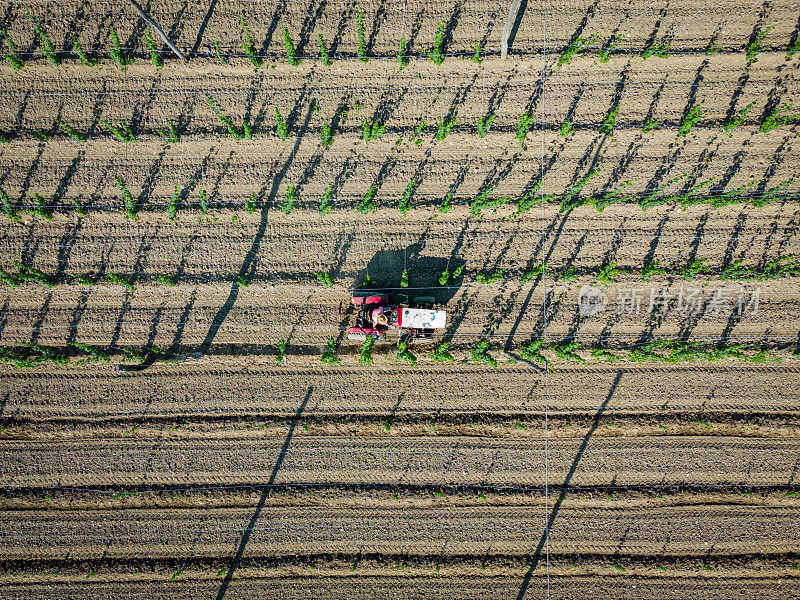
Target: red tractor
column 414, row 319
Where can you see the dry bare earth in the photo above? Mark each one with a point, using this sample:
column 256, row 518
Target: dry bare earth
column 100, row 467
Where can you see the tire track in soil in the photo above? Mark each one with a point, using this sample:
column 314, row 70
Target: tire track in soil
column 661, row 461
column 469, row 531
column 228, row 387
column 465, row 584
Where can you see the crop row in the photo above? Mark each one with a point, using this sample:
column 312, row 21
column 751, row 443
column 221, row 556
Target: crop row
column 536, row 351
column 783, row 266
column 436, row 49
column 369, row 203
column 374, row 127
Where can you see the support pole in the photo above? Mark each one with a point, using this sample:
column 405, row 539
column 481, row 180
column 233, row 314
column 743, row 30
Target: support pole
column 512, row 16
column 160, row 32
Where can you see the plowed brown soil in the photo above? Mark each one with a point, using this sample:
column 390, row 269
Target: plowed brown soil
column 213, row 471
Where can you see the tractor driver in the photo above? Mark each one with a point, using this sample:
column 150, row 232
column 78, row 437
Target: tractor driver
column 378, row 318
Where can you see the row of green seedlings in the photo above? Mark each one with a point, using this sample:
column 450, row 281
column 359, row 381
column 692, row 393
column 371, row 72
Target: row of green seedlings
column 19, row 273
column 769, row 121
column 30, row 354
column 483, row 201
column 669, row 351
column 373, row 130
column 663, row 48
column 122, row 58
column 118, row 54
column 665, row 351
column 571, row 199
column 436, row 53
column 784, row 266
column 116, row 128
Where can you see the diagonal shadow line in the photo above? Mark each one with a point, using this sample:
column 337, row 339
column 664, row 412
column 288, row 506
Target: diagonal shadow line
column 553, row 513
column 211, row 6
column 249, row 262
column 237, row 557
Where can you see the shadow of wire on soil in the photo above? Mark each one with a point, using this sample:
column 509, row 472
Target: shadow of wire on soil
column 537, row 555
column 237, row 557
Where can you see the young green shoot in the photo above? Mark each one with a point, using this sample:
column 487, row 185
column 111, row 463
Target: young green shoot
column 203, row 202
column 366, row 351
column 155, row 56
column 172, row 206
column 127, row 197
column 652, row 269
column 566, row 351
column 485, row 124
column 607, row 126
column 402, row 54
column 480, row 354
column 367, row 203
column 754, row 48
column 693, row 269
column 532, row 351
column 121, row 131
column 362, row 42
column 11, row 56
column 281, row 130
column 251, row 204
column 604, row 355
column 405, row 355
column 324, row 278
column 289, row 200
column 566, row 128
column 404, row 204
column 47, row 45
column 404, row 279
column 436, row 54
column 446, row 204
column 329, row 356
column 116, row 51
column 115, row 279
column 326, row 202
column 169, row 135
column 690, row 120
column 649, row 125
column 524, row 126
column 74, row 134
column 371, row 132
column 445, row 128
column 738, row 118
column 249, row 46
column 323, row 51
column 291, row 53
column 607, row 273
column 225, row 120
column 476, row 58
column 80, row 209
column 441, row 353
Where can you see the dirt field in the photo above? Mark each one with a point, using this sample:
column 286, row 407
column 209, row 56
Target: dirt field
column 157, row 445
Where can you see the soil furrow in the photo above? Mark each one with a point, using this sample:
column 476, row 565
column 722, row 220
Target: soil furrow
column 220, row 388
column 131, row 534
column 405, row 461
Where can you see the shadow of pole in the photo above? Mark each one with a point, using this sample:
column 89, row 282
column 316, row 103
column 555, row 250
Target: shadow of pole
column 237, row 557
column 211, row 6
column 556, row 507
